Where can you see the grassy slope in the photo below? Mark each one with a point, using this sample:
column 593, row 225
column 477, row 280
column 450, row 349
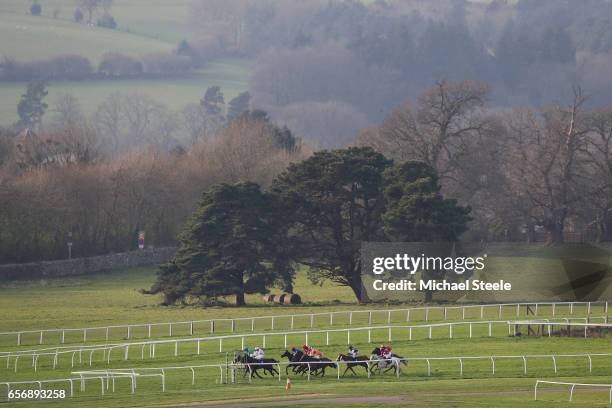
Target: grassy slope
column 114, row 298
column 163, row 24
column 162, row 19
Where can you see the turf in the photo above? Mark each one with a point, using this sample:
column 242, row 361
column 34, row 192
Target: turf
column 113, row 299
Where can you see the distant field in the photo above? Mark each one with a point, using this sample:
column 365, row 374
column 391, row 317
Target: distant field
column 144, row 26
column 28, row 38
column 230, row 74
column 107, row 298
column 167, row 20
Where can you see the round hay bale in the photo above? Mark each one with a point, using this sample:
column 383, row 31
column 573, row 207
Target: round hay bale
column 268, row 298
column 294, row 299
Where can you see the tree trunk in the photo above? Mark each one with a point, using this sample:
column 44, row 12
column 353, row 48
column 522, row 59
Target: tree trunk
column 531, row 235
column 357, row 287
column 240, row 299
column 556, row 231
column 428, row 296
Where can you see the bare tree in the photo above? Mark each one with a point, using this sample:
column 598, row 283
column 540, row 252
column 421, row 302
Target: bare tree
column 544, row 164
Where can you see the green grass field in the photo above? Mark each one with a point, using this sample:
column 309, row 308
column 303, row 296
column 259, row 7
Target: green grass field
column 230, row 74
column 114, row 299
column 159, row 19
column 145, row 26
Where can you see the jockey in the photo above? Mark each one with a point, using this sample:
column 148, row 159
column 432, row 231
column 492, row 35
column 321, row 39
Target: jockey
column 311, row 351
column 385, row 351
column 294, row 351
column 257, row 354
column 353, row 352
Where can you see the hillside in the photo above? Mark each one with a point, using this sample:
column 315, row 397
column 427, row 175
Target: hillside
column 165, row 20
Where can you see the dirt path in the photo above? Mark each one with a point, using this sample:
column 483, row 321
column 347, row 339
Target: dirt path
column 329, row 399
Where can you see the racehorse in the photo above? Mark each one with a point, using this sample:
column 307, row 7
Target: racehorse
column 294, row 361
column 359, row 361
column 252, row 364
column 301, row 363
column 316, row 364
column 389, row 364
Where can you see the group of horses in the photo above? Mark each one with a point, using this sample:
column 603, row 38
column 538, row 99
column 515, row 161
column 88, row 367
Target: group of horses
column 300, row 363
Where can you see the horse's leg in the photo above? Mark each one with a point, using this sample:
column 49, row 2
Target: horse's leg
column 352, row 371
column 347, row 368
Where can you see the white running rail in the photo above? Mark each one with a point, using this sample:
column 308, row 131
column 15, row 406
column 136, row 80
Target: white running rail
column 572, row 387
column 151, row 345
column 211, row 326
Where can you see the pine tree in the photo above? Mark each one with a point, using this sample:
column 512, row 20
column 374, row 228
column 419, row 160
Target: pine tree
column 229, row 247
column 238, row 105
column 31, row 107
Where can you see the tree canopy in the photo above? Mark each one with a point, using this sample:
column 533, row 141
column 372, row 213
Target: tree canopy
column 318, row 212
column 227, row 248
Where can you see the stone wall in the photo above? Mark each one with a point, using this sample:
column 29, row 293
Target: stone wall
column 85, row 266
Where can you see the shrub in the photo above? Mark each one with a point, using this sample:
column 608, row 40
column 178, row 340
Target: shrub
column 107, row 21
column 35, row 9
column 78, row 15
column 164, row 63
column 118, row 65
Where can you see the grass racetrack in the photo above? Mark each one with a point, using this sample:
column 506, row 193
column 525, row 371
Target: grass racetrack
column 113, row 299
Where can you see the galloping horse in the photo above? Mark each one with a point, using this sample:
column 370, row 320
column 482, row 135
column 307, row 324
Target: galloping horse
column 359, row 361
column 388, row 364
column 316, row 364
column 252, row 364
column 301, row 363
column 294, row 361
